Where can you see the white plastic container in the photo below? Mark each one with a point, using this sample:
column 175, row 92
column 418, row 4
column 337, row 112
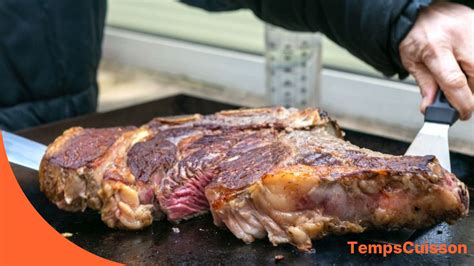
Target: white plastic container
column 293, row 67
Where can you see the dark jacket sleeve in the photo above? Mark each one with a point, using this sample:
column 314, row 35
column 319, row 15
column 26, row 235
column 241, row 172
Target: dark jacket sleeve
column 369, row 29
column 214, row 5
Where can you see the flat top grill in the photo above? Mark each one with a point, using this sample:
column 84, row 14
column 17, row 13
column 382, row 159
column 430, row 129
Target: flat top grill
column 198, row 240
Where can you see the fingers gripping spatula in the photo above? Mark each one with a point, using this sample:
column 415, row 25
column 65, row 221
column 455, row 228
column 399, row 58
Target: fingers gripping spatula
column 432, row 139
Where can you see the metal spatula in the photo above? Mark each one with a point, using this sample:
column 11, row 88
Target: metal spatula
column 432, row 139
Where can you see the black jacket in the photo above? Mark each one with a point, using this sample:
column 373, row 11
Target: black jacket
column 49, row 54
column 50, row 49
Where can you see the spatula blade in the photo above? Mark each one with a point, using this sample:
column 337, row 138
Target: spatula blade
column 432, row 140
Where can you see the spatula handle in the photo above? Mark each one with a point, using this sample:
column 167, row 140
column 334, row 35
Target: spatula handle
column 441, row 110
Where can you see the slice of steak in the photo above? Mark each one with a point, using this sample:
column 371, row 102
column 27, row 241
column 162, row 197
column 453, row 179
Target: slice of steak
column 127, row 199
column 67, row 171
column 132, row 181
column 316, row 184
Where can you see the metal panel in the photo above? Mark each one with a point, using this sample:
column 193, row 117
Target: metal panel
column 219, row 66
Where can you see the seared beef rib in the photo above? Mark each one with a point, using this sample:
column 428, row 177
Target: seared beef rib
column 282, row 173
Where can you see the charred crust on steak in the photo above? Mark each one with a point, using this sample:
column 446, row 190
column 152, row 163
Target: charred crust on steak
column 315, row 159
column 246, row 163
column 86, row 146
column 144, row 158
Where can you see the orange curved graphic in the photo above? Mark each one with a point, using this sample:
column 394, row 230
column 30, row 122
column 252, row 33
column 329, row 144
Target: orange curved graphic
column 25, row 237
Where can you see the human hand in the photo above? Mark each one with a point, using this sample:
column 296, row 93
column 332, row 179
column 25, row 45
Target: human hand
column 439, row 53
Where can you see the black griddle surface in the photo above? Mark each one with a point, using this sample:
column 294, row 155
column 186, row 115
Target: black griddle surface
column 198, row 240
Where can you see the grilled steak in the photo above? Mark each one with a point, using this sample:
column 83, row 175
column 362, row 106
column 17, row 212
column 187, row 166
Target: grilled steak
column 282, row 173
